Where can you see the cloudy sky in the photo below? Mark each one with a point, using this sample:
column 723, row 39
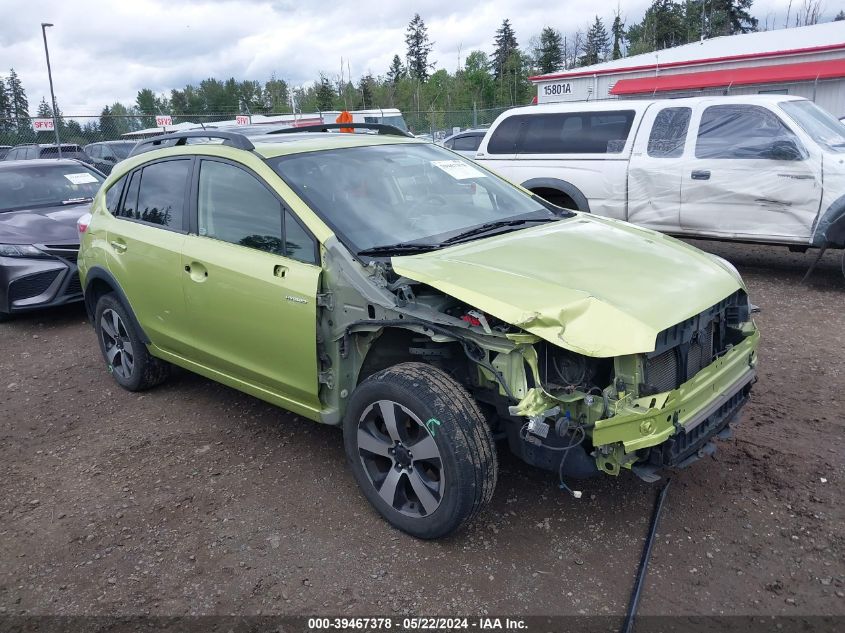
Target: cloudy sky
column 104, row 51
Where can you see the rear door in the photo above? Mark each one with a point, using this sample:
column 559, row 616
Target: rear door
column 656, row 168
column 250, row 283
column 145, row 245
column 750, row 176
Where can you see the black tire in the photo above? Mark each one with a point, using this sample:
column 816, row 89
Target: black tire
column 466, row 458
column 5, row 316
column 144, row 371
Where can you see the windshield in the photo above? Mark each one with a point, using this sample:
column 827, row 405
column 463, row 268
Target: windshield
column 408, row 192
column 30, row 186
column 395, row 120
column 821, row 126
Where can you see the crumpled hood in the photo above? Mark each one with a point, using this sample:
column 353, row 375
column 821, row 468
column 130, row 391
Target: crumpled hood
column 49, row 225
column 595, row 286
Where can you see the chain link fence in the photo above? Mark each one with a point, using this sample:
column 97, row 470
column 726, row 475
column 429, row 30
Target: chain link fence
column 82, row 130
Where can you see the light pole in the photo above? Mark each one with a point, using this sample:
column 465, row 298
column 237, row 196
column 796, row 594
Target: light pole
column 44, row 26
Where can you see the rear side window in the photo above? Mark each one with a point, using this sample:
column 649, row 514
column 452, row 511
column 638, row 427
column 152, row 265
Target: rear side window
column 467, row 143
column 113, row 196
column 503, row 140
column 568, row 133
column 669, row 132
column 741, row 132
column 235, row 207
column 156, row 194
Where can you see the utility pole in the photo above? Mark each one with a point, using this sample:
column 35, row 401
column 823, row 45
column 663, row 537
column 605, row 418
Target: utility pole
column 44, row 26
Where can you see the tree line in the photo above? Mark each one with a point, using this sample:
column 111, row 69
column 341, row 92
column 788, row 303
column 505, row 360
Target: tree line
column 414, row 82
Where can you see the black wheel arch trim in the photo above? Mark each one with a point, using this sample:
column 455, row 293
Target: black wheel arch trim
column 99, row 273
column 564, row 187
column 829, row 227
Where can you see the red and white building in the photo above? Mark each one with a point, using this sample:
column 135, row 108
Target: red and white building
column 807, row 61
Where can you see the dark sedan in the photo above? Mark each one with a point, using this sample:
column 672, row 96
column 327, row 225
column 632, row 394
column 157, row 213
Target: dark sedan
column 40, row 202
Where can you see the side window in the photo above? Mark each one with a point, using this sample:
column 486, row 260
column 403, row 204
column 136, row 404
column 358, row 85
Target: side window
column 235, row 207
column 467, row 143
column 130, row 202
column 298, row 244
column 32, row 153
column 669, row 132
column 576, row 132
column 12, row 155
column 740, row 131
column 113, row 195
column 93, row 151
column 448, row 144
column 156, row 194
column 503, row 140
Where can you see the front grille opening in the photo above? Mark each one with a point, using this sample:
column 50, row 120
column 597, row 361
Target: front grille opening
column 74, row 286
column 31, row 285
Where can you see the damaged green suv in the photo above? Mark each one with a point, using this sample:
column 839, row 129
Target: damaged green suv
column 424, row 304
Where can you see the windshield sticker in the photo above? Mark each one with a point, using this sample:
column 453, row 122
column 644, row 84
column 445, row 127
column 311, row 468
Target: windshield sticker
column 81, row 178
column 458, row 169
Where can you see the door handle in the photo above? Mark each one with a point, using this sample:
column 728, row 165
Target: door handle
column 280, row 271
column 700, row 174
column 118, row 245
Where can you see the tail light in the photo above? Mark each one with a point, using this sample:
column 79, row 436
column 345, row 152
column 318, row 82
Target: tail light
column 83, row 222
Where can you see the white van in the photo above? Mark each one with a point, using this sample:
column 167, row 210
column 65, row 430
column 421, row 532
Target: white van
column 765, row 168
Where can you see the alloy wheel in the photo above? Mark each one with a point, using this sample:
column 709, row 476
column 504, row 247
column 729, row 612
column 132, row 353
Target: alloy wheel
column 401, row 458
column 117, row 344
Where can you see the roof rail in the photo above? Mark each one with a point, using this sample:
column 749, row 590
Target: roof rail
column 381, row 128
column 232, row 139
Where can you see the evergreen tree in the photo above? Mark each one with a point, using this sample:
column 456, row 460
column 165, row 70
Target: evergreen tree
column 505, row 46
column 419, row 48
column 44, row 110
column 839, row 16
column 618, row 33
column 365, row 88
column 664, row 25
column 738, row 16
column 597, row 44
column 5, row 109
column 325, row 94
column 549, row 53
column 19, row 105
column 276, row 95
column 396, row 71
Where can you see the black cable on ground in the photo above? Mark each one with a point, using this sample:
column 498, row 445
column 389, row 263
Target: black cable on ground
column 628, row 625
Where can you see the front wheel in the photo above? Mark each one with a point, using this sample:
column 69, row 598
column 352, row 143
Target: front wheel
column 420, row 449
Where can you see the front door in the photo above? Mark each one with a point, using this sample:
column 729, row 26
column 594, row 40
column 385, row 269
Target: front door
column 250, row 282
column 750, row 177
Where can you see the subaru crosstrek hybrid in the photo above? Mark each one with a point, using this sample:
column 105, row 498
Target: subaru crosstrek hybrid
column 424, row 304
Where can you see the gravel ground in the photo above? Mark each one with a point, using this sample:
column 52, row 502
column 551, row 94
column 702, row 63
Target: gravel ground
column 196, row 499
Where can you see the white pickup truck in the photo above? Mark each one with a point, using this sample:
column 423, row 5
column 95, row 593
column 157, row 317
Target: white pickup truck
column 764, row 168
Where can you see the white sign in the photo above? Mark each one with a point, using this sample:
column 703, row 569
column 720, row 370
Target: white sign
column 458, row 169
column 42, row 125
column 456, row 129
column 81, row 178
column 557, row 89
column 242, row 119
column 164, row 120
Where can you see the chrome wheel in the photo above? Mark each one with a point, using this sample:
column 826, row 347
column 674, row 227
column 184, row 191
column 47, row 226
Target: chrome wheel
column 401, row 458
column 117, row 344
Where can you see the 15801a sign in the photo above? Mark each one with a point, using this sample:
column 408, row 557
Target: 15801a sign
column 557, row 89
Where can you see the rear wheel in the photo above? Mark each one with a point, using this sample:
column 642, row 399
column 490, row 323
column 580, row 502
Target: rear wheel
column 420, row 449
column 126, row 355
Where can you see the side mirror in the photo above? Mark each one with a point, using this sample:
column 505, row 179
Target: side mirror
column 785, row 149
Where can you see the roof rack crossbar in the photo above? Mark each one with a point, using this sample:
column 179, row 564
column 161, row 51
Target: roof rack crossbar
column 381, row 128
column 232, row 139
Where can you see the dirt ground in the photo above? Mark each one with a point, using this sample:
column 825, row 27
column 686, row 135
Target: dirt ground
column 196, row 499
